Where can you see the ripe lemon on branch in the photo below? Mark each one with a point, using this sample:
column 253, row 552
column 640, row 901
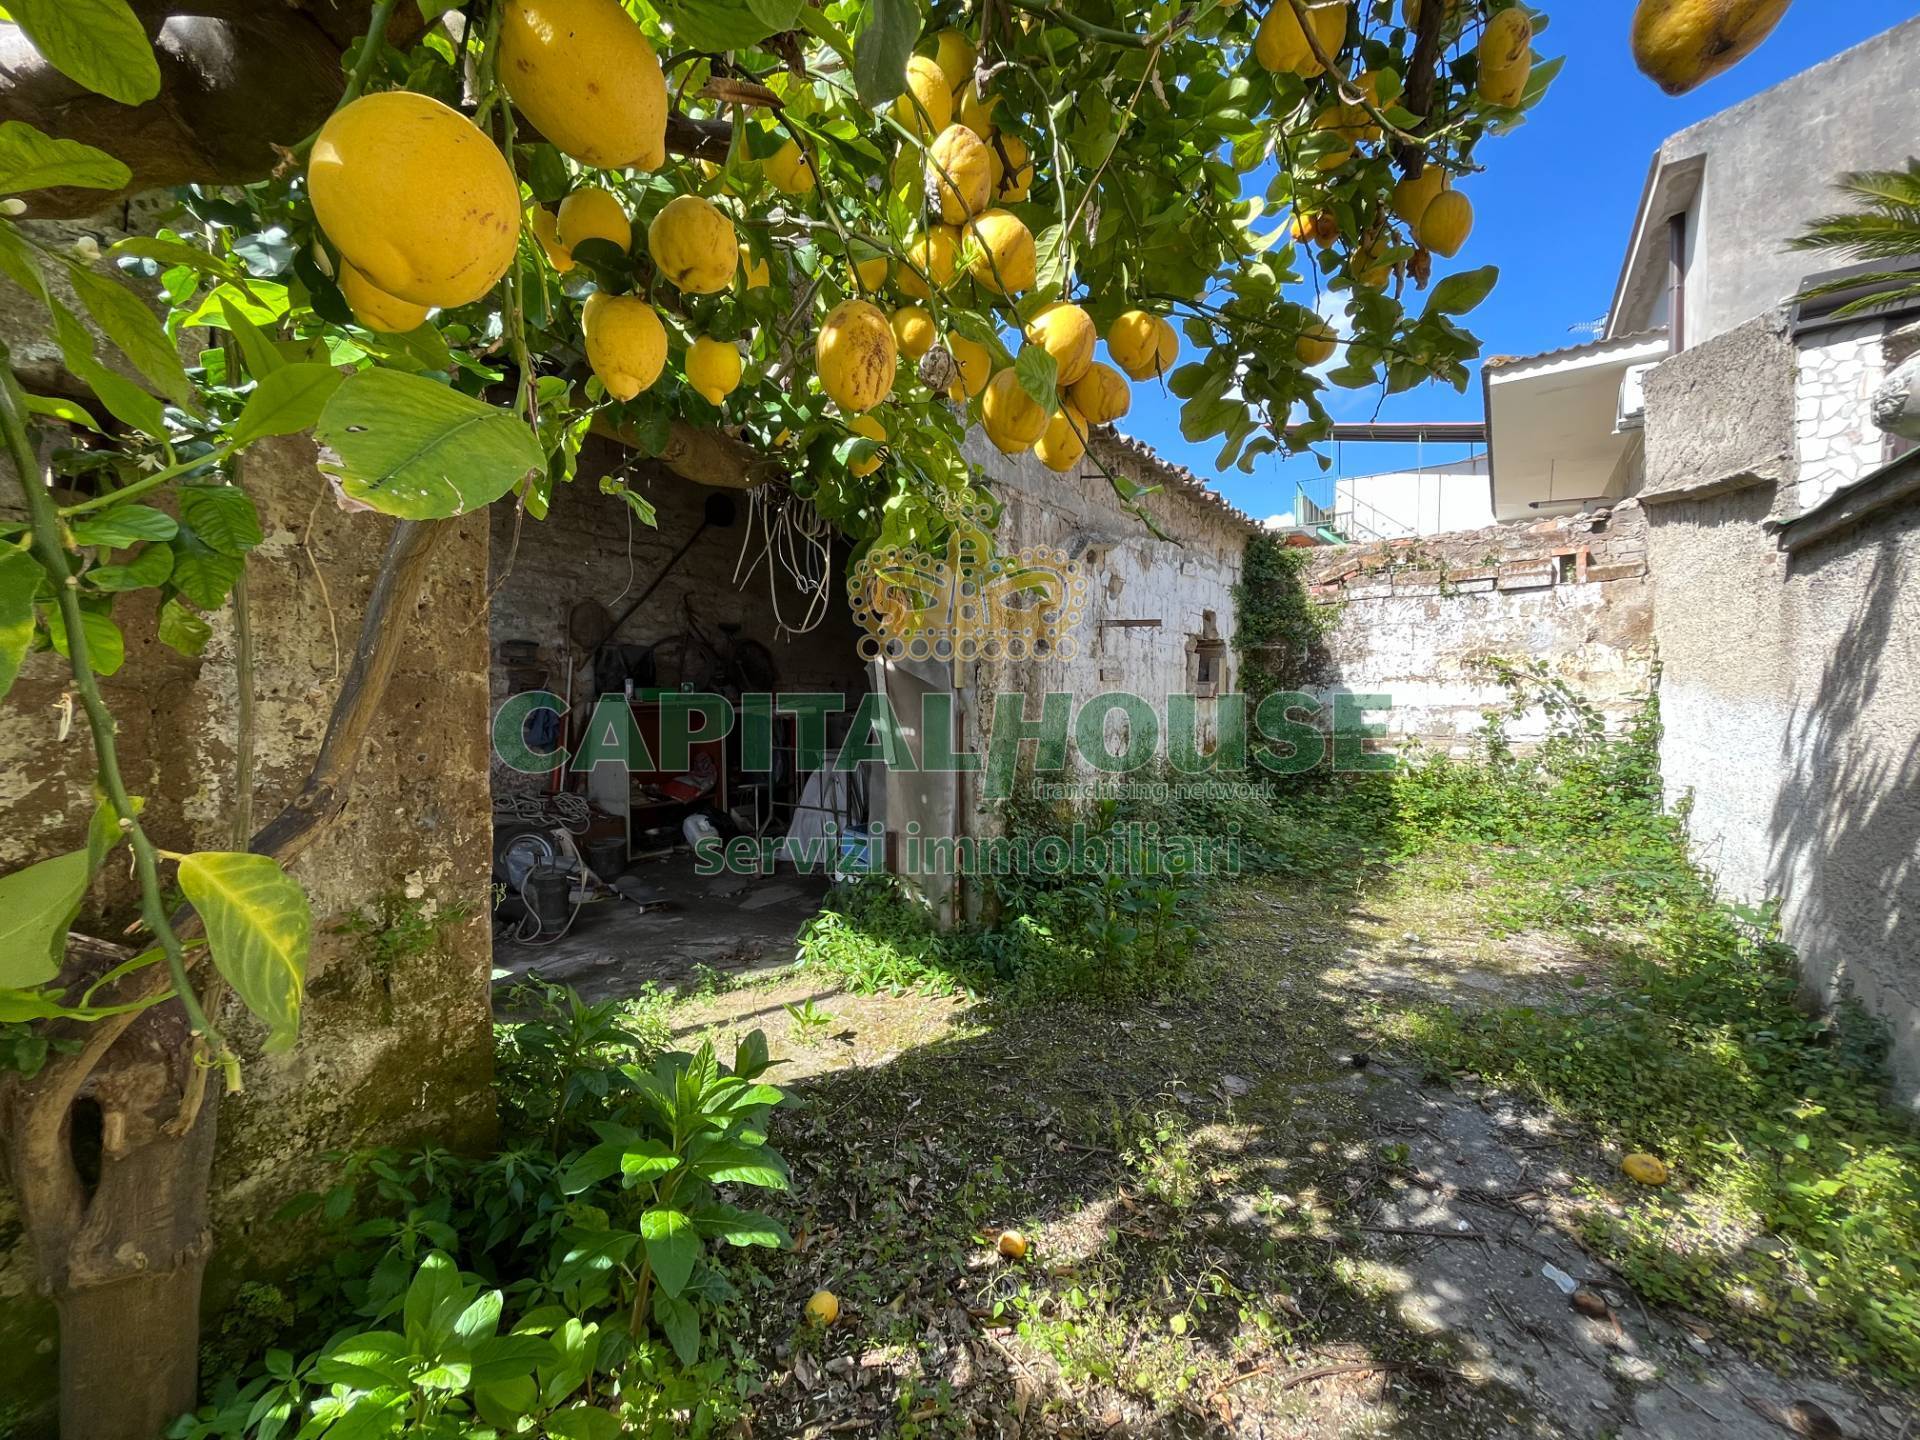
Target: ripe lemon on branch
column 626, row 343
column 856, row 355
column 415, row 197
column 693, row 243
column 586, row 76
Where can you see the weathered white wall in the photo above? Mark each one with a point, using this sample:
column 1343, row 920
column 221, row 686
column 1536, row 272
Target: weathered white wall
column 1790, row 685
column 1419, row 619
column 1433, row 500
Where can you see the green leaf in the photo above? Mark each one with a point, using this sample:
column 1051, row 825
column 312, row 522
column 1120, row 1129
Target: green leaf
column 182, row 629
column 680, row 1323
column 56, row 407
column 20, row 576
column 672, row 1247
column 286, row 401
column 100, row 43
column 365, row 1361
column 257, row 349
column 1457, row 294
column 582, row 1422
column 599, row 1163
column 221, row 515
column 31, row 160
column 124, row 400
column 129, row 324
column 1038, row 375
column 881, row 48
column 106, row 646
column 740, row 1162
column 37, row 905
column 720, row 25
column 149, row 568
column 434, row 1302
column 258, row 929
column 646, row 1160
column 170, row 250
column 119, row 526
column 411, row 447
column 201, row 573
column 740, row 1227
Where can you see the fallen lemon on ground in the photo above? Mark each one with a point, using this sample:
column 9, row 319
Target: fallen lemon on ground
column 584, row 74
column 856, row 355
column 626, row 343
column 1645, row 1169
column 415, row 197
column 823, row 1307
column 1012, row 1244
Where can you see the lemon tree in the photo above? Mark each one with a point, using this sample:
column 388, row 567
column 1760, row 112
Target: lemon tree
column 767, row 241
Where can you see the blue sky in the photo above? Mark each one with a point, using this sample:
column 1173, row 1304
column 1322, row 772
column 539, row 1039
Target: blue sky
column 1552, row 211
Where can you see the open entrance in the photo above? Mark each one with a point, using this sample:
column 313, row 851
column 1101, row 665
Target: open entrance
column 597, row 882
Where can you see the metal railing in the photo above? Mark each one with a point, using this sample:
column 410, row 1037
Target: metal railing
column 1353, row 521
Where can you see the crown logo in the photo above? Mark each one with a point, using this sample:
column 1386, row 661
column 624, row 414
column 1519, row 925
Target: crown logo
column 969, row 604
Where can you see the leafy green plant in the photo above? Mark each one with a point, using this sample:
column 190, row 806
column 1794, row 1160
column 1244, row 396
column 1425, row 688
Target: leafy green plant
column 396, row 928
column 810, row 1022
column 556, row 1064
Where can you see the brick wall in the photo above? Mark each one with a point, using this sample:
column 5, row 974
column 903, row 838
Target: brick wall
column 1419, row 616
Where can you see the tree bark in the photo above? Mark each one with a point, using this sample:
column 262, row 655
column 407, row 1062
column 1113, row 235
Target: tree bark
column 237, row 77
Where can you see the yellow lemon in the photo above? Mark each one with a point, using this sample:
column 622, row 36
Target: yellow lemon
column 591, row 213
column 1683, row 43
column 913, row 331
column 1411, row 197
column 1446, row 223
column 546, row 229
column 757, row 272
column 1012, row 1244
column 926, row 105
column 823, row 1307
column 693, row 243
column 415, row 197
column 856, row 355
column 376, row 309
column 1645, row 1169
column 1005, row 261
column 959, row 174
column 954, row 53
column 975, row 361
column 872, row 429
column 586, row 77
column 1316, row 344
column 788, row 170
column 977, row 114
column 1143, row 345
column 713, row 368
column 1281, row 45
column 1368, row 263
column 1101, row 395
column 626, row 343
column 870, row 265
column 1065, row 332
column 1011, row 418
column 933, row 256
column 1506, row 56
column 1059, row 449
column 1013, row 175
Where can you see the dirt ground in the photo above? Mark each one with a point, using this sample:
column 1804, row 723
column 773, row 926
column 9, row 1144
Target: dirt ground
column 1246, row 1217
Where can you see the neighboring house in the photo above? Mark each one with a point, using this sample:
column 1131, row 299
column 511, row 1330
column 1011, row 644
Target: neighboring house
column 1428, row 500
column 1783, row 527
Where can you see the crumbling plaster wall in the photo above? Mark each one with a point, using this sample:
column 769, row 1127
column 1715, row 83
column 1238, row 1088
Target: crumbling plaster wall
column 1790, row 685
column 591, row 547
column 383, row 1057
column 1420, row 618
column 1149, row 600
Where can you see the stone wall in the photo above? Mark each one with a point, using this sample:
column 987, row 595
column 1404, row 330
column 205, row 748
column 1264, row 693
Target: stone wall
column 383, row 1057
column 1790, row 685
column 1420, row 617
column 1839, row 369
column 590, row 546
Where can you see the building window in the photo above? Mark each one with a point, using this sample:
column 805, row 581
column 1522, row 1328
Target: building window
column 1209, row 667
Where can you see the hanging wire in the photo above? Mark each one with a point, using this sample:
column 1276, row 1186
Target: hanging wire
column 795, row 539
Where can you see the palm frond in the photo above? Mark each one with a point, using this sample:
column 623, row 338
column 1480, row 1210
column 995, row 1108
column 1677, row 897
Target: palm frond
column 1861, row 236
column 1889, row 189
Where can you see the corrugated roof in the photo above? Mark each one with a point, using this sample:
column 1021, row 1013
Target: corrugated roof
column 1141, row 461
column 1567, row 352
